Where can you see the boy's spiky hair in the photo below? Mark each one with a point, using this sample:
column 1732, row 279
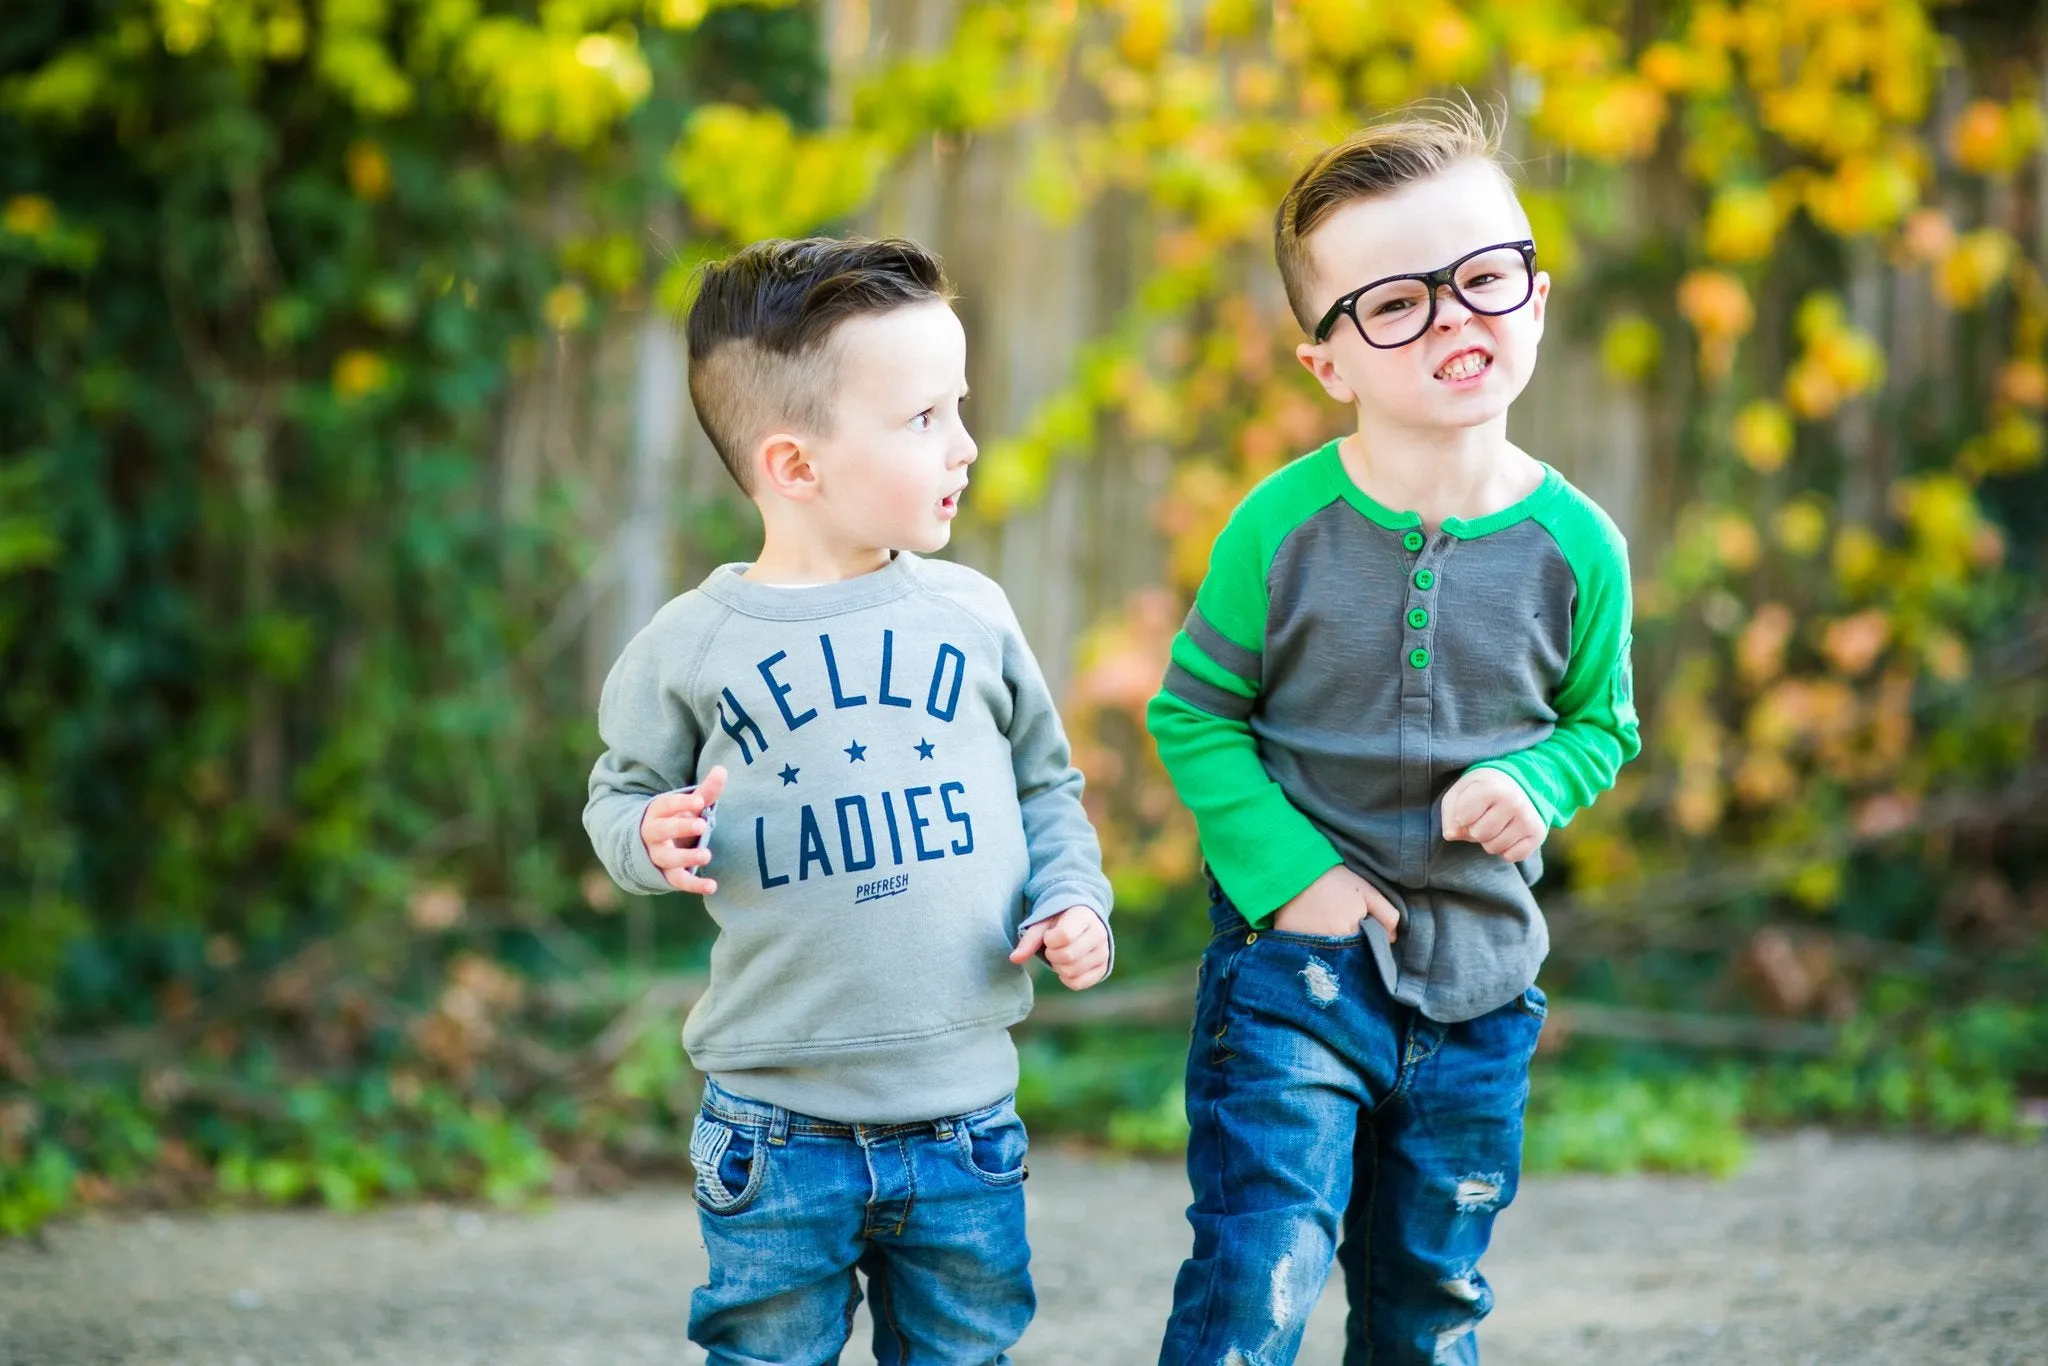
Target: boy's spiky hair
column 1424, row 141
column 761, row 331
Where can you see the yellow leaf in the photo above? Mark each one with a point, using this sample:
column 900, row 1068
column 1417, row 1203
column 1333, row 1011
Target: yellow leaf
column 1631, row 347
column 369, row 171
column 1763, row 435
column 1742, row 225
column 28, row 215
column 358, row 374
column 565, row 307
column 1801, row 526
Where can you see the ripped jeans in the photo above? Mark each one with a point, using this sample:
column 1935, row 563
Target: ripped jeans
column 931, row 1215
column 1322, row 1108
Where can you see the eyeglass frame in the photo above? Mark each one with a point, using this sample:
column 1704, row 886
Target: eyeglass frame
column 1347, row 305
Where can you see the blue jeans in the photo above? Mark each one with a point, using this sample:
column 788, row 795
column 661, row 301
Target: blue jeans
column 931, row 1214
column 1322, row 1109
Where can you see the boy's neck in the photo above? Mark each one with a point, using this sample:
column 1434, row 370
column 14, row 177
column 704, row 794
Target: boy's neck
column 1467, row 473
column 792, row 559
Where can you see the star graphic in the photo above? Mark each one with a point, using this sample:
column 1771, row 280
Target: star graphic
column 856, row 753
column 924, row 749
column 788, row 775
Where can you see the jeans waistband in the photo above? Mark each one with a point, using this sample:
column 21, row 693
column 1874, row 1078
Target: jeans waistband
column 780, row 1123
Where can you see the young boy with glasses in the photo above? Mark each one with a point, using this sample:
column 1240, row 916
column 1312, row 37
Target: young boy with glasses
column 1408, row 661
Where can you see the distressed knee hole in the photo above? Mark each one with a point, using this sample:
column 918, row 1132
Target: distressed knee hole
column 1478, row 1192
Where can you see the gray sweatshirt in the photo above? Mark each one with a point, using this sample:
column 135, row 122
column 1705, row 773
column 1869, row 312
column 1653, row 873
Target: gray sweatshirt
column 900, row 805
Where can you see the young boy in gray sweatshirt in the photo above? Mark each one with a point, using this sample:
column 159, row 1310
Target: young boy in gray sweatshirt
column 858, row 743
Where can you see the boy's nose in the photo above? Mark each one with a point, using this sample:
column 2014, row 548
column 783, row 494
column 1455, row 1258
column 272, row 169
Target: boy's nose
column 1450, row 309
column 967, row 452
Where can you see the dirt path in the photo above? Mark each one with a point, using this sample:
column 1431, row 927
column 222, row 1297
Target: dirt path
column 1857, row 1253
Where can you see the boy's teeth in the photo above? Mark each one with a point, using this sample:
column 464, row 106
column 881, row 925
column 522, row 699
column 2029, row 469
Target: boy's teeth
column 1464, row 366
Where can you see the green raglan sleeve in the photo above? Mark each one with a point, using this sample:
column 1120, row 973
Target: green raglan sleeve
column 1596, row 731
column 1259, row 846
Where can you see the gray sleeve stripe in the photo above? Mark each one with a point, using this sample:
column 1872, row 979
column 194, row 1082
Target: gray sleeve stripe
column 1207, row 696
column 1212, row 642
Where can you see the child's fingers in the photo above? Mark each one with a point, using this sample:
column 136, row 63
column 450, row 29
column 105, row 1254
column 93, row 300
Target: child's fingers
column 1029, row 942
column 1081, row 979
column 1487, row 827
column 685, row 881
column 1079, row 952
column 1379, row 908
column 664, row 828
column 1522, row 848
column 712, row 787
column 668, row 804
column 666, row 855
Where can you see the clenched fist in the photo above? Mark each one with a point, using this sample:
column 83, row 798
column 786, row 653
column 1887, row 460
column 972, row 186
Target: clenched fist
column 1076, row 945
column 1488, row 808
column 673, row 829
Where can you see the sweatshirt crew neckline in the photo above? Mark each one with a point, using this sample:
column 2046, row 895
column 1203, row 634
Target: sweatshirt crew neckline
column 776, row 602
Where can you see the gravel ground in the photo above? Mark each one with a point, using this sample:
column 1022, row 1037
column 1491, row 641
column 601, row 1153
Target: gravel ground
column 1850, row 1252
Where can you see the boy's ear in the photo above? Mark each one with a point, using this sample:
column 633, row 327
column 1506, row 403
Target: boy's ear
column 785, row 467
column 1316, row 357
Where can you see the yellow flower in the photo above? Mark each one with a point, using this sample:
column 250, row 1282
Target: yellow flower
column 565, row 307
column 1817, row 885
column 1742, row 225
column 1148, row 28
column 2024, row 382
column 1811, row 391
column 1763, row 435
column 28, row 215
column 1801, row 525
column 1448, row 48
column 1992, row 139
column 1631, row 347
column 1857, row 556
column 1764, row 779
column 1853, row 643
column 1974, row 268
column 1667, row 66
column 369, row 171
column 1736, row 543
column 1716, row 303
column 358, row 374
column 1979, row 137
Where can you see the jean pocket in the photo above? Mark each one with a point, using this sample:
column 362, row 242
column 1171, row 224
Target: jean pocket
column 729, row 1162
column 993, row 1143
column 1534, row 1002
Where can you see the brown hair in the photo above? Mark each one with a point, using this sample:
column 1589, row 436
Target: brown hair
column 1372, row 162
column 761, row 327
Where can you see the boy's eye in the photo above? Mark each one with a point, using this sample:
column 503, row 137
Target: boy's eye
column 922, row 422
column 1392, row 306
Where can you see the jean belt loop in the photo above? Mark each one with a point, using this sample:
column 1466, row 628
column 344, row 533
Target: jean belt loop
column 778, row 1126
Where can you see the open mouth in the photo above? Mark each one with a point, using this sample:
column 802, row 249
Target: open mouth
column 1465, row 365
column 950, row 504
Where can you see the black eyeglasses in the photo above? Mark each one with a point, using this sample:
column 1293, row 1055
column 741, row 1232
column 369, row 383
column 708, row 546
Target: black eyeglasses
column 1395, row 311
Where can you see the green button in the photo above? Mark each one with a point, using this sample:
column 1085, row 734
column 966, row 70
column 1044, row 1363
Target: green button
column 1425, row 579
column 1413, row 540
column 1419, row 658
column 1418, row 618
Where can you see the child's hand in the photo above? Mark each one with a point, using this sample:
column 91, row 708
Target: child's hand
column 1076, row 945
column 1488, row 808
column 1335, row 905
column 671, row 828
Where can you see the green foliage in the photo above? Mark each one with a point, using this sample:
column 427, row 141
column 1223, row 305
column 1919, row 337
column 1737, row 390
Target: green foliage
column 1621, row 1119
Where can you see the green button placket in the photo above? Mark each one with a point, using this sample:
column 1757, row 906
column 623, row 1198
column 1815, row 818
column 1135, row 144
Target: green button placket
column 1418, row 716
